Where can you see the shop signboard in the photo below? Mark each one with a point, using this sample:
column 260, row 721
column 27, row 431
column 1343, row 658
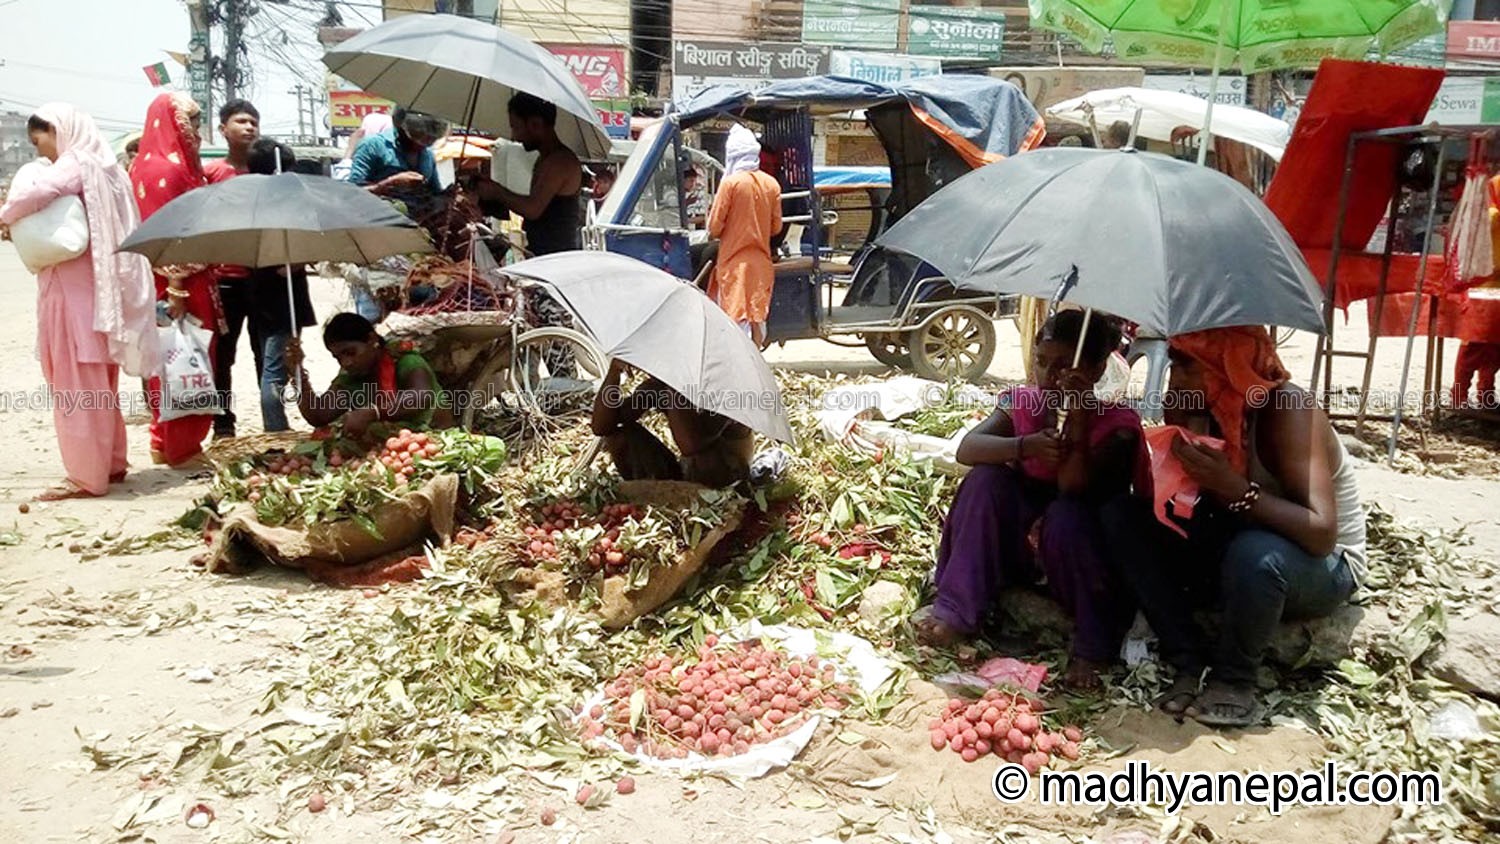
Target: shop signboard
column 347, row 109
column 600, row 69
column 955, row 32
column 1231, row 89
column 882, row 68
column 698, row 65
column 856, row 24
column 1466, row 101
column 1048, row 86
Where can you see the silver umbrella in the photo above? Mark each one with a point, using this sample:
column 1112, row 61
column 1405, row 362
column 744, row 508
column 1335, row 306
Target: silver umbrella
column 1163, row 243
column 668, row 328
column 467, row 70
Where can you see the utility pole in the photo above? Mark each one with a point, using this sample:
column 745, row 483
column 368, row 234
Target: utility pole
column 200, row 61
column 234, row 29
column 301, row 113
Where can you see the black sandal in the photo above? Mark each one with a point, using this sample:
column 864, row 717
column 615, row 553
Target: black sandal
column 1180, row 697
column 1221, row 705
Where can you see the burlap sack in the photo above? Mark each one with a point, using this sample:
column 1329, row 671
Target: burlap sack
column 429, row 511
column 619, row 606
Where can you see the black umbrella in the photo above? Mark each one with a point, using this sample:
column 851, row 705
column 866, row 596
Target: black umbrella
column 266, row 221
column 1163, row 243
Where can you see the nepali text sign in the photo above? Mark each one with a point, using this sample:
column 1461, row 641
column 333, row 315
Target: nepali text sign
column 1231, row 89
column 965, row 32
column 883, row 69
column 861, row 24
column 1466, row 100
column 1047, row 86
column 1474, row 40
column 697, row 65
column 347, row 109
column 615, row 117
column 599, row 69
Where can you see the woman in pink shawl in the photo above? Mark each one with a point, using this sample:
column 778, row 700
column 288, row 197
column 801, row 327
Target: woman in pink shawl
column 96, row 314
column 1030, row 505
column 168, row 166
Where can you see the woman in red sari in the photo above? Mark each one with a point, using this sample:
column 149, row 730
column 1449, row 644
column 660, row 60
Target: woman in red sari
column 166, row 167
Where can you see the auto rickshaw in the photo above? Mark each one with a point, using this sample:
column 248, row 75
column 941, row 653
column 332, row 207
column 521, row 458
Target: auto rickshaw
column 932, row 130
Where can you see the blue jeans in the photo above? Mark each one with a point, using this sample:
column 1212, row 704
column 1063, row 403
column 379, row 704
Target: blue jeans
column 273, row 377
column 1261, row 579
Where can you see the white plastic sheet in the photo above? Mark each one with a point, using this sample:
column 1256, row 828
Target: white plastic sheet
column 855, row 662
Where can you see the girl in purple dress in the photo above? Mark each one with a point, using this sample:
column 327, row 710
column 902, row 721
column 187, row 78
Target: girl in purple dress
column 1030, row 505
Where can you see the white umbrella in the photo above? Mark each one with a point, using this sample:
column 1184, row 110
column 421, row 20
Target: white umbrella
column 1163, row 111
column 467, row 70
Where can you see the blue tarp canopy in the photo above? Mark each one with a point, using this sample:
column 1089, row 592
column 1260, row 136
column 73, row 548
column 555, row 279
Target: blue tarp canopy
column 980, row 116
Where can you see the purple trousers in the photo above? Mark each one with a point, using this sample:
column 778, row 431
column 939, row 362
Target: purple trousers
column 985, row 549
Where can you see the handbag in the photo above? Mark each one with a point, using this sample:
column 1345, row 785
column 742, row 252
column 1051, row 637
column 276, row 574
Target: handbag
column 57, row 233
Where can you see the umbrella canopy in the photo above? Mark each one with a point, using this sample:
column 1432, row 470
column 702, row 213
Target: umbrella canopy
column 1161, row 242
column 668, row 328
column 467, row 71
column 1162, row 112
column 1255, row 35
column 267, row 221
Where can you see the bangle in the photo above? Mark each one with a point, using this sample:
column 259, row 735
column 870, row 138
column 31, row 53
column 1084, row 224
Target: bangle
column 177, row 293
column 1246, row 501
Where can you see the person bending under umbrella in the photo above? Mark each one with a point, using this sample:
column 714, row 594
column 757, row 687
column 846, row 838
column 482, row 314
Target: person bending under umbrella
column 716, row 450
column 1281, row 533
column 376, row 383
column 1031, row 504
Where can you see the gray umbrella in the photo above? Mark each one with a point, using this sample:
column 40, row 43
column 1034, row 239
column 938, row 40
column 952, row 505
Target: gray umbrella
column 467, row 70
column 668, row 328
column 267, row 221
column 1169, row 245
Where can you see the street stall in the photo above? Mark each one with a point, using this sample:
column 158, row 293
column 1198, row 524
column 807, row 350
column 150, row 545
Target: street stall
column 1390, row 178
column 933, row 130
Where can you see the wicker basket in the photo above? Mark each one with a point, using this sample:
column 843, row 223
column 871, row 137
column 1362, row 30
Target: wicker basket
column 238, row 448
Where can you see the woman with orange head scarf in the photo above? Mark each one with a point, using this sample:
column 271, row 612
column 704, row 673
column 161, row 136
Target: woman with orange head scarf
column 167, row 167
column 1280, row 534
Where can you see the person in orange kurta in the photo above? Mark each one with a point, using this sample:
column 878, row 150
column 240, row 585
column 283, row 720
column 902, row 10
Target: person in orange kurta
column 746, row 214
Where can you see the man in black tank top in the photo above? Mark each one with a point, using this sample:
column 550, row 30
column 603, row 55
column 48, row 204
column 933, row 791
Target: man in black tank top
column 551, row 214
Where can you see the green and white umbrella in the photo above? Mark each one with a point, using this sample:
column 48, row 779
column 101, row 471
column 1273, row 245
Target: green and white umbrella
column 1252, row 35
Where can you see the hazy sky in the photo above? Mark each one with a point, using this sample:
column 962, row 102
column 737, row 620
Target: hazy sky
column 91, row 53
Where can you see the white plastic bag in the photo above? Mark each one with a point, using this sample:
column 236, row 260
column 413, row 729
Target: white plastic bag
column 57, row 233
column 511, row 165
column 187, row 372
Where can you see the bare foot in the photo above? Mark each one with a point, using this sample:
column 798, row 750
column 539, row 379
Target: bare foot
column 1083, row 675
column 63, row 492
column 158, row 458
column 936, row 634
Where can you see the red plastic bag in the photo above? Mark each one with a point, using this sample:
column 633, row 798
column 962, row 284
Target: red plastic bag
column 1171, row 482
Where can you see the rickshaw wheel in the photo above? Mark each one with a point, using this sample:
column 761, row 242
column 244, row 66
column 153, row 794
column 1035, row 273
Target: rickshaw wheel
column 955, row 343
column 889, row 348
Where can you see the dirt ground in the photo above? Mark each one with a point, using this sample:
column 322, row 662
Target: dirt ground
column 122, row 649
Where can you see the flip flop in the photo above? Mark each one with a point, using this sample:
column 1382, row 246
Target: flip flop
column 1220, row 706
